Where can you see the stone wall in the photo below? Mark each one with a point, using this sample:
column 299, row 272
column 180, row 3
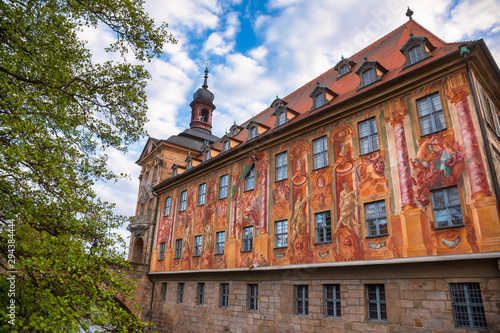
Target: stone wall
column 413, row 304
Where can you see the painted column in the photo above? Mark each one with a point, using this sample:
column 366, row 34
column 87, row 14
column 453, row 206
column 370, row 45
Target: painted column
column 457, row 94
column 397, row 114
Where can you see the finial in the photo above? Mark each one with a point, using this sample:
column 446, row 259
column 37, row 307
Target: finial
column 205, row 84
column 366, row 58
column 277, row 97
column 189, row 153
column 226, row 132
column 317, row 83
column 409, row 13
column 411, row 34
column 253, row 119
column 341, row 57
column 234, row 122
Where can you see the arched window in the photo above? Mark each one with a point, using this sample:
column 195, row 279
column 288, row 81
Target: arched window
column 137, row 252
column 204, row 115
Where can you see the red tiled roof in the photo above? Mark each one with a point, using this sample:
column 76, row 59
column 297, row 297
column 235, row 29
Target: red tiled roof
column 386, row 51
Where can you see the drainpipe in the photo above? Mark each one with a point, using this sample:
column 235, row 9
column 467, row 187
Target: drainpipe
column 464, row 51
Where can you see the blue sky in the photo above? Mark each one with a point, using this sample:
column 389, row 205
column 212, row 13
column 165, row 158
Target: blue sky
column 259, row 49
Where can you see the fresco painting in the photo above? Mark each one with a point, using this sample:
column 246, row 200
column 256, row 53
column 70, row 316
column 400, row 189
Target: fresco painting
column 347, row 230
column 370, row 176
column 439, row 162
column 299, row 232
column 342, row 188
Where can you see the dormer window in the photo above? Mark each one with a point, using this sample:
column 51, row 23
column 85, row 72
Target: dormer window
column 319, row 100
column 189, row 164
column 344, row 70
column 235, row 131
column 344, row 67
column 370, row 72
column 281, row 118
column 321, row 95
column 253, row 132
column 174, row 171
column 416, row 49
column 415, row 54
column 368, row 76
column 225, row 145
column 207, row 155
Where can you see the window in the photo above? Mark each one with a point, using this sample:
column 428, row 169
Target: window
column 155, row 170
column 468, row 310
column 162, row 251
column 253, row 297
column 174, row 171
column 197, row 246
column 189, row 164
column 323, row 227
column 376, row 302
column 225, row 145
column 178, row 248
column 247, row 238
column 204, row 115
column 224, row 295
column 167, row 207
column 447, row 209
column 235, row 131
column 180, row 293
column 281, row 233
column 487, row 114
column 250, row 179
column 200, row 294
column 207, row 154
column 430, row 114
column 319, row 100
column 221, row 238
column 415, row 54
column 223, row 187
column 376, row 220
column 344, row 70
column 368, row 136
column 183, row 201
column 142, row 209
column 150, row 208
column 332, row 300
column 146, row 177
column 281, row 166
column 494, row 115
column 301, row 300
column 281, row 118
column 320, row 148
column 368, row 76
column 201, row 194
column 163, row 292
column 253, row 132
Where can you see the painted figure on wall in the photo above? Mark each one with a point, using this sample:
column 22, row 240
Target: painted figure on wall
column 299, row 219
column 322, row 189
column 439, row 162
column 347, row 206
column 370, row 174
column 281, row 197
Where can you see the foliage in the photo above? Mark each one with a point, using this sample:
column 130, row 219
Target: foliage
column 59, row 111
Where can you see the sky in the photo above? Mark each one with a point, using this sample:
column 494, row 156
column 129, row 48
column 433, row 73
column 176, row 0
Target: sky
column 257, row 50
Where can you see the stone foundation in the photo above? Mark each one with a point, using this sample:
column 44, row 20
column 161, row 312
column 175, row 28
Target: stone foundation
column 417, row 298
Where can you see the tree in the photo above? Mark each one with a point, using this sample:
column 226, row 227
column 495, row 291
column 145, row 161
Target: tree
column 59, row 111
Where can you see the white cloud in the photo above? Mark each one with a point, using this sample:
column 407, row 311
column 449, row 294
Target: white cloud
column 470, row 17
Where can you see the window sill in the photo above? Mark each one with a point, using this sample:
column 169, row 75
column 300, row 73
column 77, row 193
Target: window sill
column 242, row 251
column 277, row 181
column 449, row 227
column 326, row 166
column 177, row 257
column 197, row 255
column 223, row 198
column 249, row 190
column 424, row 135
column 375, row 236
column 280, row 248
column 219, row 254
column 320, row 243
column 370, row 152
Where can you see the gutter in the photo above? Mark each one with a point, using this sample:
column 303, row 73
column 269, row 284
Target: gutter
column 464, row 51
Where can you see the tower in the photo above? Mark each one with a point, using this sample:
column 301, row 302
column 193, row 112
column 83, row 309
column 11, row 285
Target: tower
column 202, row 107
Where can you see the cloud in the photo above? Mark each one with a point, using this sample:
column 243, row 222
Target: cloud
column 469, row 18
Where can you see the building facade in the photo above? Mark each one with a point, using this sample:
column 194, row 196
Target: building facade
column 366, row 200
